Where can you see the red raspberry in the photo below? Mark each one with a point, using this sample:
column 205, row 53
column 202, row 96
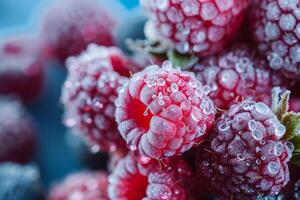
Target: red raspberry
column 197, row 26
column 82, row 185
column 247, row 156
column 88, row 96
column 236, row 73
column 276, row 30
column 163, row 112
column 17, row 135
column 70, row 25
column 21, row 71
column 135, row 179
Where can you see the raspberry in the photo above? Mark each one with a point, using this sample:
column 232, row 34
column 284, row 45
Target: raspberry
column 236, row 73
column 135, row 179
column 82, row 185
column 275, row 28
column 247, row 156
column 70, row 25
column 88, row 96
column 163, row 112
column 21, row 72
column 196, row 26
column 17, row 135
column 19, row 182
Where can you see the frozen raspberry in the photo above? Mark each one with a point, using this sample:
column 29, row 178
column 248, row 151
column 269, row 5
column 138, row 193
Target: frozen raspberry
column 163, row 112
column 135, row 179
column 88, row 96
column 21, row 72
column 17, row 135
column 275, row 28
column 19, row 182
column 196, row 26
column 246, row 156
column 70, row 25
column 237, row 74
column 82, row 185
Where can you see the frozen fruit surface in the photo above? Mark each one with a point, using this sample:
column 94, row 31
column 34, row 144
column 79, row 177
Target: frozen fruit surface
column 17, row 133
column 19, row 182
column 236, row 74
column 88, row 95
column 196, row 26
column 82, row 185
column 246, row 155
column 21, row 71
column 135, row 179
column 163, row 111
column 276, row 29
column 70, row 25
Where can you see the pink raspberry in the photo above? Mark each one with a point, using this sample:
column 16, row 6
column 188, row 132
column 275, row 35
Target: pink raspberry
column 17, row 133
column 197, row 26
column 275, row 28
column 163, row 112
column 70, row 25
column 135, row 179
column 88, row 96
column 82, row 185
column 237, row 74
column 246, row 156
column 21, row 70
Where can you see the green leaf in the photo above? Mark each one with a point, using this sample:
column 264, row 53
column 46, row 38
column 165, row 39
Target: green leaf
column 292, row 123
column 185, row 61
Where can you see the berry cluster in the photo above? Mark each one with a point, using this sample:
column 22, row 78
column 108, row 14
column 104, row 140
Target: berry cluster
column 214, row 113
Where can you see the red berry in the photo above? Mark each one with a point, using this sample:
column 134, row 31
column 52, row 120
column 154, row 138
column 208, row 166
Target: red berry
column 17, row 134
column 70, row 25
column 163, row 112
column 21, row 72
column 197, row 26
column 135, row 179
column 275, row 28
column 88, row 96
column 246, row 156
column 83, row 185
column 236, row 73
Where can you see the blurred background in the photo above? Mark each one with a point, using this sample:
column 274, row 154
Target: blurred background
column 58, row 153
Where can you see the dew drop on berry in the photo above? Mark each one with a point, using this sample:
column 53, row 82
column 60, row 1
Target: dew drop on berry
column 280, row 130
column 161, row 82
column 257, row 135
column 205, row 163
column 223, row 126
column 278, row 149
column 290, row 146
column 162, row 4
column 258, row 162
column 196, row 115
column 95, row 148
column 240, row 157
column 252, row 125
column 261, row 108
column 167, row 65
column 273, row 167
column 174, row 87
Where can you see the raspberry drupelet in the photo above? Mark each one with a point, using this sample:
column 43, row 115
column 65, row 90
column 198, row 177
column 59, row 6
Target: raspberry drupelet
column 246, row 156
column 70, row 25
column 235, row 74
column 17, row 132
column 163, row 112
column 276, row 30
column 88, row 96
column 138, row 178
column 21, row 70
column 83, row 185
column 195, row 26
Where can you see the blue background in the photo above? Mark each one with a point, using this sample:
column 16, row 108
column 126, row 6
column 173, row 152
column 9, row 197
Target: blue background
column 54, row 158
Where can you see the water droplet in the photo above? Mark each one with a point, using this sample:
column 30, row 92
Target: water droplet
column 199, row 92
column 252, row 125
column 257, row 135
column 161, row 82
column 257, row 161
column 262, row 108
column 273, row 167
column 161, row 102
column 196, row 115
column 167, row 65
column 206, row 89
column 240, row 157
column 132, row 147
column 95, row 148
column 278, row 149
column 223, row 126
column 205, row 163
column 70, row 122
column 263, row 158
column 174, row 87
column 280, row 130
column 290, row 146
